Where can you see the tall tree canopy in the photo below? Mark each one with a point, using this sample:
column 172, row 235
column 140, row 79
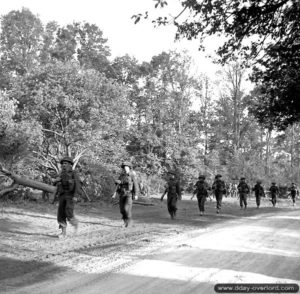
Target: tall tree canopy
column 265, row 31
column 20, row 40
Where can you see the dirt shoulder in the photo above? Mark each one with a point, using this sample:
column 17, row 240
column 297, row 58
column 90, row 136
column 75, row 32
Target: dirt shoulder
column 32, row 253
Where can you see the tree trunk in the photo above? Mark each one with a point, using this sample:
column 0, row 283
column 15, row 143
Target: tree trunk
column 268, row 151
column 9, row 189
column 28, row 182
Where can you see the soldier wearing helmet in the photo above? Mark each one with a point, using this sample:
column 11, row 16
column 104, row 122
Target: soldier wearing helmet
column 68, row 190
column 127, row 189
column 173, row 192
column 259, row 192
column 274, row 191
column 244, row 190
column 219, row 189
column 293, row 192
column 201, row 190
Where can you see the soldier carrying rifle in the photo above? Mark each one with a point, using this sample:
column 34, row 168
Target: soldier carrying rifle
column 68, row 191
column 173, row 192
column 127, row 189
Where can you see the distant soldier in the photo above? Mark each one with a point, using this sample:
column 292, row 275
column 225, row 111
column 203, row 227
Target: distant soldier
column 230, row 190
column 68, row 191
column 259, row 192
column 244, row 190
column 127, row 189
column 173, row 192
column 274, row 191
column 293, row 193
column 201, row 190
column 234, row 190
column 219, row 189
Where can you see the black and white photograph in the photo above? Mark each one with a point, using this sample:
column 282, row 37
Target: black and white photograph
column 149, row 146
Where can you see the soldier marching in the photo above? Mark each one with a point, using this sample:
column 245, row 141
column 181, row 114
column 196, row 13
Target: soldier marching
column 219, row 190
column 259, row 192
column 201, row 191
column 173, row 192
column 68, row 191
column 127, row 189
column 243, row 190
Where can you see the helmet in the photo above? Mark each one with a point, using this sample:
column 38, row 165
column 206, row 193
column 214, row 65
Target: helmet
column 201, row 177
column 67, row 159
column 258, row 181
column 243, row 178
column 218, row 176
column 126, row 163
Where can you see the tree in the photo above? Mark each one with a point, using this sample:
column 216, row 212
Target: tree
column 278, row 95
column 161, row 134
column 17, row 139
column 93, row 51
column 77, row 109
column 49, row 36
column 266, row 32
column 83, row 42
column 20, row 41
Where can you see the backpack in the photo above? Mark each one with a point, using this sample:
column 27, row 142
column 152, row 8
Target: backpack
column 220, row 186
column 243, row 188
column 259, row 190
column 201, row 188
column 172, row 188
column 273, row 190
column 67, row 182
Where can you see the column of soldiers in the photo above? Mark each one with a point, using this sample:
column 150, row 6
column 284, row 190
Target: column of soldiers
column 127, row 188
column 202, row 189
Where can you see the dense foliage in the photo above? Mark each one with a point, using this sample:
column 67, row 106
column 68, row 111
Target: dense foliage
column 63, row 95
column 264, row 34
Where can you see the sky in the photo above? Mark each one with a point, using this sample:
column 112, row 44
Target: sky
column 113, row 17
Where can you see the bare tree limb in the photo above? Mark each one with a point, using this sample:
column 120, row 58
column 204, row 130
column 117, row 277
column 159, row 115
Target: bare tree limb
column 28, row 182
column 54, row 132
column 9, row 189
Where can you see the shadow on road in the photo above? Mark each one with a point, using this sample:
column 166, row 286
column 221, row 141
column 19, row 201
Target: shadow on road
column 22, row 270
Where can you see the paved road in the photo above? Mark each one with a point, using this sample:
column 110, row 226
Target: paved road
column 258, row 248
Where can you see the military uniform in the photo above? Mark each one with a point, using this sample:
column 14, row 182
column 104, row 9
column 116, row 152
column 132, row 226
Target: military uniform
column 68, row 188
column 274, row 191
column 173, row 192
column 201, row 190
column 293, row 191
column 127, row 189
column 219, row 189
column 244, row 190
column 259, row 192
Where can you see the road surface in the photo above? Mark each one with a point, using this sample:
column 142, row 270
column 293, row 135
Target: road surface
column 157, row 255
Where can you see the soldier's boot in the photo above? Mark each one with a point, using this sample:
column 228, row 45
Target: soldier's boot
column 63, row 233
column 129, row 222
column 74, row 223
column 63, row 228
column 218, row 210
